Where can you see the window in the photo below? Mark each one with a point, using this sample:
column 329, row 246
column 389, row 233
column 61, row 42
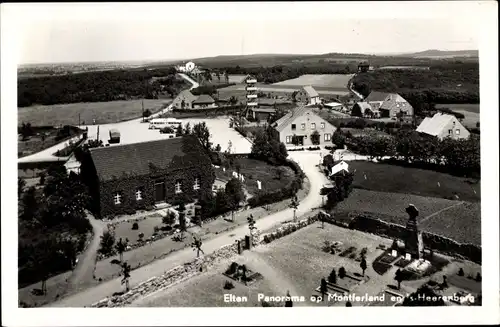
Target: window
column 117, row 197
column 450, row 131
column 288, row 139
column 328, row 137
column 303, row 126
column 457, row 131
column 322, row 125
column 196, row 185
column 138, row 194
column 313, row 125
column 293, row 127
column 178, row 188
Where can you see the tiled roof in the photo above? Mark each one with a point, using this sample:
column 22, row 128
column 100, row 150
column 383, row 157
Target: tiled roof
column 267, row 110
column 190, row 97
column 204, row 98
column 376, row 96
column 311, row 91
column 365, row 105
column 434, row 126
column 287, row 119
column 135, row 159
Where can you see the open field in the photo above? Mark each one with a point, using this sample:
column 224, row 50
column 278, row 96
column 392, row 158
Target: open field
column 396, row 179
column 470, row 107
column 257, row 170
column 326, row 80
column 285, row 89
column 282, row 272
column 45, row 139
column 102, row 112
column 460, row 221
column 470, row 111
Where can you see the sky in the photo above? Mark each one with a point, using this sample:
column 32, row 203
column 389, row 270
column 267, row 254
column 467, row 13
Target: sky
column 59, row 33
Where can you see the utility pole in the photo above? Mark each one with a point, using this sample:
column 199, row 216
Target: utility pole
column 97, row 133
column 142, row 110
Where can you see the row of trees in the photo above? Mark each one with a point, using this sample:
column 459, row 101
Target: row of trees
column 43, row 251
column 460, row 157
column 97, row 86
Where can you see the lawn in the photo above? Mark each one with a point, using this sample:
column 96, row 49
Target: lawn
column 43, row 139
column 461, row 221
column 326, row 80
column 278, row 264
column 397, row 179
column 470, row 107
column 146, row 226
column 102, row 112
column 257, row 170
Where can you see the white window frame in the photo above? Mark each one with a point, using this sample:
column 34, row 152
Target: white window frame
column 457, row 131
column 322, row 125
column 117, row 198
column 288, row 139
column 178, row 188
column 328, row 137
column 303, row 126
column 196, row 185
column 313, row 125
column 450, row 132
column 138, row 195
column 293, row 127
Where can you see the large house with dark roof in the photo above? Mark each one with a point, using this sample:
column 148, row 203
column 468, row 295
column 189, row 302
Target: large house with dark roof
column 204, row 101
column 302, row 122
column 141, row 175
column 308, row 95
column 389, row 104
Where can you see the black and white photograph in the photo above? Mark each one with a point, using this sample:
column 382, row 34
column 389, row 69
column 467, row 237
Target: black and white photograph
column 335, row 156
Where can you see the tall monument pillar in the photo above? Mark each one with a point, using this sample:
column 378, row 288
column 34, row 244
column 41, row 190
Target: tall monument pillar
column 413, row 238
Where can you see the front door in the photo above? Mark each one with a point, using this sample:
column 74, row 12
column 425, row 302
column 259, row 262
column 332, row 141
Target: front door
column 160, row 192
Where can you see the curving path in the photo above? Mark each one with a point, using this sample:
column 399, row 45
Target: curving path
column 307, row 161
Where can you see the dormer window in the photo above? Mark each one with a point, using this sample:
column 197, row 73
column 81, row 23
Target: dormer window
column 196, row 185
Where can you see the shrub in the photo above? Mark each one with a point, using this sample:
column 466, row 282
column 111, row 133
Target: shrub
column 342, row 272
column 135, row 226
column 228, row 285
column 156, row 229
column 232, row 268
column 332, row 278
column 115, row 262
column 461, row 272
column 478, row 277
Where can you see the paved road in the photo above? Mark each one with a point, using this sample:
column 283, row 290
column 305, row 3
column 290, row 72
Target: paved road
column 131, row 125
column 48, row 154
column 308, row 163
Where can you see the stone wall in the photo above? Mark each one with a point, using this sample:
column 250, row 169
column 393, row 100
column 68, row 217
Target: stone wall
column 169, row 278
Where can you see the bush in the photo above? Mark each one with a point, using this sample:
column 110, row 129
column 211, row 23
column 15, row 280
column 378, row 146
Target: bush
column 135, row 226
column 115, row 262
column 478, row 277
column 461, row 272
column 342, row 272
column 228, row 285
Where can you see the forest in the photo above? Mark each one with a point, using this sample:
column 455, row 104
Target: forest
column 446, row 82
column 98, row 86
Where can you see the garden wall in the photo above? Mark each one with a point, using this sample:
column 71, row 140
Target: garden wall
column 433, row 241
column 169, row 278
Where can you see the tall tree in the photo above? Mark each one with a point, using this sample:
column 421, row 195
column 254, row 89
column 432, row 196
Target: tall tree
column 235, row 194
column 201, row 131
column 187, row 129
column 107, row 242
column 120, row 247
column 323, row 288
column 29, row 204
column 363, row 265
column 288, row 301
column 126, row 269
column 182, row 219
column 196, row 245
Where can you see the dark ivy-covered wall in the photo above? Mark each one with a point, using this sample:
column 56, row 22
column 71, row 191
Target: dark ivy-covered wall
column 128, row 185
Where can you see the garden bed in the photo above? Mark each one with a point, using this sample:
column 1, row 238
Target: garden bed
column 236, row 272
column 401, row 263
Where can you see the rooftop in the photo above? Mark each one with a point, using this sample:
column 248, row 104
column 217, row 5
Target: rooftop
column 311, row 91
column 136, row 159
column 376, row 96
column 287, row 119
column 434, row 126
column 204, row 98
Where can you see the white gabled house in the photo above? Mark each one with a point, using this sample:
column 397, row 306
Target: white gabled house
column 443, row 126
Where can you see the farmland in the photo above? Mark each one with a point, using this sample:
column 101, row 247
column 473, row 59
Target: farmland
column 457, row 220
column 470, row 111
column 102, row 112
column 396, row 179
column 325, row 80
